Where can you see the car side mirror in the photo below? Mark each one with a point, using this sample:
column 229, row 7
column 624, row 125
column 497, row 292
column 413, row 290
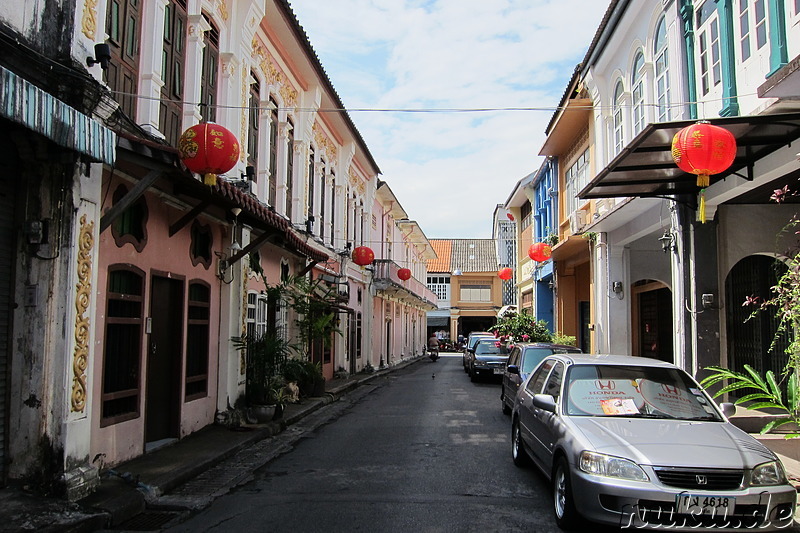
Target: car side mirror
column 513, row 369
column 545, row 401
column 728, row 409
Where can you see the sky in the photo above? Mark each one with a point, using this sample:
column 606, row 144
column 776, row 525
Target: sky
column 427, row 65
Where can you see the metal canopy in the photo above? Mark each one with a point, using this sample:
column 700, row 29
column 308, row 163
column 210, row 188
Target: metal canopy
column 645, row 167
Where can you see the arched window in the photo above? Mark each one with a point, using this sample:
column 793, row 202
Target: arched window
column 253, row 114
column 208, row 77
column 289, row 170
column 637, row 93
column 123, row 24
column 122, row 344
column 173, row 59
column 661, row 55
column 273, row 152
column 618, row 133
column 197, row 339
column 311, row 191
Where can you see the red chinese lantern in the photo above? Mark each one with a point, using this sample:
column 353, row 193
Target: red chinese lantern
column 404, row 274
column 539, row 251
column 703, row 149
column 208, row 149
column 363, row 256
column 510, row 217
column 504, row 274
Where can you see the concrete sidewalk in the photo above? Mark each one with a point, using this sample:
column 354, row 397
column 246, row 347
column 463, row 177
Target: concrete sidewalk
column 133, row 488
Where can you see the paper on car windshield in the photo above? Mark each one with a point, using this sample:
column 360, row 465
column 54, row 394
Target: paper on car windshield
column 619, row 406
column 588, row 395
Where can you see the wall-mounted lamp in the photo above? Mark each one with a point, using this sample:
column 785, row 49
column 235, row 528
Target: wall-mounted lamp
column 551, row 284
column 667, row 241
column 707, row 301
column 235, row 246
column 102, row 55
column 616, row 288
column 456, row 272
column 249, row 173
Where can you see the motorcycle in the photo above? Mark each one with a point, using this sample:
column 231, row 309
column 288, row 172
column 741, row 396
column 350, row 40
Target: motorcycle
column 433, row 353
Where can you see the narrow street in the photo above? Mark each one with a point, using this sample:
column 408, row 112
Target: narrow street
column 418, row 453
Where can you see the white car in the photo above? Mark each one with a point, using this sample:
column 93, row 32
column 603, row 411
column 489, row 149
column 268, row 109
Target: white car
column 636, row 442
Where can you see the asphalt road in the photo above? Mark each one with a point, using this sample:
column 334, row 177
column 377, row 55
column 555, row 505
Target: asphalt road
column 411, row 453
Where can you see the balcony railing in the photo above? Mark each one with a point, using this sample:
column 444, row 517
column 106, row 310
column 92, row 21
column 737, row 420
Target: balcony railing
column 385, row 279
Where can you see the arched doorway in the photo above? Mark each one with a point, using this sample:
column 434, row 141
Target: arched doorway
column 750, row 337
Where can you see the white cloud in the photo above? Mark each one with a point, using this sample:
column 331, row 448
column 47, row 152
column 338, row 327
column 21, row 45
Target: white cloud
column 449, row 170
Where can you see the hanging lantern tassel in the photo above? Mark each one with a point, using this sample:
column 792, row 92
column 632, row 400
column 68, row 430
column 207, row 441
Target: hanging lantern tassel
column 701, row 208
column 703, row 180
column 210, row 179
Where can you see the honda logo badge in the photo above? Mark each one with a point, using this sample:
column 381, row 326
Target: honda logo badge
column 701, row 480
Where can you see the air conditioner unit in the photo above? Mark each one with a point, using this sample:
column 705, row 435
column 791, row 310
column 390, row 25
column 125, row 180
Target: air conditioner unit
column 576, row 221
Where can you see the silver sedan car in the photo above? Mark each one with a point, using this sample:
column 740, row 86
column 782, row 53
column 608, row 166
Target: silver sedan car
column 635, row 442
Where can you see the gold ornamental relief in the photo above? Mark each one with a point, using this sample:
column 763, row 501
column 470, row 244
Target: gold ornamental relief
column 324, row 142
column 89, row 19
column 80, row 357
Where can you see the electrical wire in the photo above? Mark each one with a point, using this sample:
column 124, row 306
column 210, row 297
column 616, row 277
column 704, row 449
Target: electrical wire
column 432, row 109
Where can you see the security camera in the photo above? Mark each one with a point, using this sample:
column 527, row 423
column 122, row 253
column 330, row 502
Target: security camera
column 102, row 55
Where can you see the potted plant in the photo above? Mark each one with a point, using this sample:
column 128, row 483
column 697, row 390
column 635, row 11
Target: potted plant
column 265, row 355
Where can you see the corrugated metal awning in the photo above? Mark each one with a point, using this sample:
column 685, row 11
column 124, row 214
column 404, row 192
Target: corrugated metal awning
column 43, row 113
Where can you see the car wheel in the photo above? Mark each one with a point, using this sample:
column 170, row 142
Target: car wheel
column 567, row 516
column 518, row 453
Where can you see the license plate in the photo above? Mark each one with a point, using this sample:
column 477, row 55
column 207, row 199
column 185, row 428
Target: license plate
column 695, row 504
column 499, row 370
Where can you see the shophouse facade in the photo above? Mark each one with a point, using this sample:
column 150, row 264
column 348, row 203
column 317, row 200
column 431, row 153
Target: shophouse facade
column 400, row 305
column 533, row 203
column 152, row 270
column 668, row 284
column 470, row 278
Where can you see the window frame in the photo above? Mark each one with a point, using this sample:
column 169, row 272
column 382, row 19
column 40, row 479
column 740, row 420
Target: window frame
column 136, row 354
column 193, row 326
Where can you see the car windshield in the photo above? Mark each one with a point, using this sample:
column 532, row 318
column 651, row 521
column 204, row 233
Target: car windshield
column 635, row 392
column 491, row 348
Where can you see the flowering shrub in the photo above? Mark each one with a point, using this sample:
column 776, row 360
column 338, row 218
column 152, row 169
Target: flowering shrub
column 526, row 328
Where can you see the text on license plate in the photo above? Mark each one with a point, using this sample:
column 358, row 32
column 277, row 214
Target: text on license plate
column 499, row 370
column 714, row 505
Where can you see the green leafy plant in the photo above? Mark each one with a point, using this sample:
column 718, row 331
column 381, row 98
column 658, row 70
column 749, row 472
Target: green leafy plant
column 265, row 356
column 767, row 394
column 785, row 303
column 568, row 340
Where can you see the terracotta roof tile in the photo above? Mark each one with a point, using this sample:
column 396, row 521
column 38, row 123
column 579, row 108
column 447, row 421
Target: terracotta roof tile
column 442, row 249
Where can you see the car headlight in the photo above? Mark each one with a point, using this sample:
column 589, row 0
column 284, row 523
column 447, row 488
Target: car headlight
column 768, row 474
column 480, row 362
column 600, row 464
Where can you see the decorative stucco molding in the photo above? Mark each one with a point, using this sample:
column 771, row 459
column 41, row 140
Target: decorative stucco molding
column 89, row 19
column 80, row 357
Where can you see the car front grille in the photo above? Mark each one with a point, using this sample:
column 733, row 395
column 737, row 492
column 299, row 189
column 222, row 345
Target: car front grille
column 696, row 479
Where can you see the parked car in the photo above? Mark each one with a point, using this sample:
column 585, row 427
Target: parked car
column 524, row 357
column 472, row 338
column 636, row 442
column 487, row 358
